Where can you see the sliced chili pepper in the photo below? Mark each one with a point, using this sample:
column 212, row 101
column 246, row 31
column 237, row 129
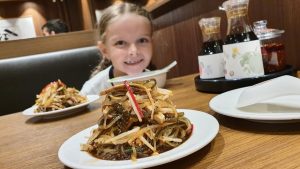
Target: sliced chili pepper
column 135, row 105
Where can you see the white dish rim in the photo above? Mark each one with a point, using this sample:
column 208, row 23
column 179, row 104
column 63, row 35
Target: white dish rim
column 30, row 111
column 215, row 105
column 148, row 161
column 136, row 77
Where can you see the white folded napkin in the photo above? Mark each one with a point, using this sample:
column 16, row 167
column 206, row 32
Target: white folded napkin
column 282, row 91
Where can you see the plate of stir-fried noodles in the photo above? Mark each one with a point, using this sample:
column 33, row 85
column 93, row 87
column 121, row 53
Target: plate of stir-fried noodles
column 56, row 98
column 139, row 127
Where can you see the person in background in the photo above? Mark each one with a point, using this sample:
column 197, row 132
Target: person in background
column 53, row 27
column 125, row 42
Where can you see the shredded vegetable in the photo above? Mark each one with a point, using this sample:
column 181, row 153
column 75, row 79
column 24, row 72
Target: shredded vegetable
column 138, row 120
column 56, row 95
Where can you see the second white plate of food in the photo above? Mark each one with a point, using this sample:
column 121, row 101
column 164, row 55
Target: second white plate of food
column 225, row 104
column 205, row 128
column 76, row 108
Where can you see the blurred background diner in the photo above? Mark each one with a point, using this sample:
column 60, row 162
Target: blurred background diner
column 54, row 26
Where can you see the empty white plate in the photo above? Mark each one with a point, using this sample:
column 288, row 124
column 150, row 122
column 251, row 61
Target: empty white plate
column 225, row 104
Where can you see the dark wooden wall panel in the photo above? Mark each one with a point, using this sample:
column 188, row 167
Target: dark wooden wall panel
column 164, row 48
column 186, row 48
column 187, row 39
column 164, row 21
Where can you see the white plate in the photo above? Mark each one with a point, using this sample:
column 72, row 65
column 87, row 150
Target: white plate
column 76, row 108
column 159, row 75
column 135, row 77
column 225, row 104
column 205, row 129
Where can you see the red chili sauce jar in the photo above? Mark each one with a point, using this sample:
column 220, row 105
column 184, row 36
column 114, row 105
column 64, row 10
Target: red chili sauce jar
column 272, row 48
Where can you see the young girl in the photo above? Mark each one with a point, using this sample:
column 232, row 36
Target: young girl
column 125, row 42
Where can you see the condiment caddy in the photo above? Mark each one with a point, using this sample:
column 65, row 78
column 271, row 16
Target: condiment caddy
column 247, row 56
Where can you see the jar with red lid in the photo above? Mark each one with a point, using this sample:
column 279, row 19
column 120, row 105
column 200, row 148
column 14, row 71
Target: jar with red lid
column 272, row 48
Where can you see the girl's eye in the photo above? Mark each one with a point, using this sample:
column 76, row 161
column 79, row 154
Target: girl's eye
column 143, row 40
column 120, row 43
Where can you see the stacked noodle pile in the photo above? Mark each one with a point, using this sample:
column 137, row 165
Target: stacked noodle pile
column 56, row 95
column 138, row 120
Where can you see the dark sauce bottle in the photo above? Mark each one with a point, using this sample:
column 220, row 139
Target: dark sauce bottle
column 243, row 58
column 240, row 37
column 239, row 29
column 211, row 59
column 212, row 47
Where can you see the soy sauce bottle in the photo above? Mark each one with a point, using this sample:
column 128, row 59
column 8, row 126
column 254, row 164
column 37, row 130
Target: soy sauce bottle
column 211, row 58
column 240, row 37
column 243, row 58
column 212, row 47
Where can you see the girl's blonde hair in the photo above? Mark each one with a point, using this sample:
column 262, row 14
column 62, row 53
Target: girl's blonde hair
column 108, row 15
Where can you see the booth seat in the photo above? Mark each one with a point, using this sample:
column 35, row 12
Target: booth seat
column 22, row 78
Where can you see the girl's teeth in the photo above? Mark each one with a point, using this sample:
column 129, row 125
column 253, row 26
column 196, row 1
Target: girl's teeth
column 132, row 62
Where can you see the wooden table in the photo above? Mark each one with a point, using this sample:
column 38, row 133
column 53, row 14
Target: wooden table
column 34, row 142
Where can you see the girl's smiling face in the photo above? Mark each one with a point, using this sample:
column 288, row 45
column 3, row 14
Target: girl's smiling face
column 128, row 44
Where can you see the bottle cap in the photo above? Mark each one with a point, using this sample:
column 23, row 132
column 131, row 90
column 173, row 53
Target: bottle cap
column 263, row 33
